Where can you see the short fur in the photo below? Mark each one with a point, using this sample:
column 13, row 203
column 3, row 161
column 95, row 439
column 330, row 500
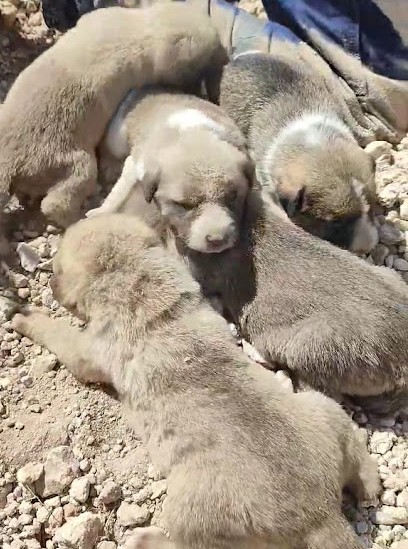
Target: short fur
column 241, row 455
column 304, row 153
column 320, row 312
column 57, row 110
column 187, row 156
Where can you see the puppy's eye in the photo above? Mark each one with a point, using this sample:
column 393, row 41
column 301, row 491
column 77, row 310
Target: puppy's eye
column 187, row 206
column 231, row 196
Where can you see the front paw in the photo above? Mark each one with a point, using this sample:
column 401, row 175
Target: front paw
column 28, row 323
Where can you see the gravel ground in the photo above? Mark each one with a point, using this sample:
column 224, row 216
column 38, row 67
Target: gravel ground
column 72, row 474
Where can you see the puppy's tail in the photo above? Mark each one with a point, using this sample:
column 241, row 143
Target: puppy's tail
column 385, row 404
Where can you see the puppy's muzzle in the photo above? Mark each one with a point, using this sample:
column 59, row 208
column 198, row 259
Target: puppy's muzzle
column 213, row 231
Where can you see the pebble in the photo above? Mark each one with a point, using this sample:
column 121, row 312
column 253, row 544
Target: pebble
column 60, row 470
column 30, row 473
column 81, row 532
column 389, row 234
column 7, row 308
column 131, row 514
column 110, row 493
column 391, row 515
column 29, row 258
column 80, row 489
column 44, row 364
column 158, row 489
column 382, row 441
column 402, row 498
column 400, row 264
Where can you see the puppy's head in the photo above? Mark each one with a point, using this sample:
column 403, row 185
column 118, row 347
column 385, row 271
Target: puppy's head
column 200, row 186
column 330, row 192
column 91, row 248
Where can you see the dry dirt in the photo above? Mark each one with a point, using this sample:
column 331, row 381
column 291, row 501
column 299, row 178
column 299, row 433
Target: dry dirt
column 72, row 474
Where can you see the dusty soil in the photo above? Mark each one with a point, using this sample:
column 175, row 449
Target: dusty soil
column 72, row 474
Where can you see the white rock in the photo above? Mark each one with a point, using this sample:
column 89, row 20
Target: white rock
column 60, row 469
column 398, row 481
column 110, row 493
column 404, row 210
column 389, row 234
column 130, row 514
column 80, row 489
column 29, row 258
column 400, row 264
column 382, row 441
column 81, row 532
column 388, row 497
column 7, row 308
column 388, row 195
column 391, row 515
column 158, row 489
column 30, row 473
column 44, row 363
column 402, row 498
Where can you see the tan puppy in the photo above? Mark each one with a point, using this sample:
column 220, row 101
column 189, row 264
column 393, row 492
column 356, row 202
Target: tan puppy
column 57, row 110
column 305, row 155
column 320, row 312
column 241, row 456
column 185, row 158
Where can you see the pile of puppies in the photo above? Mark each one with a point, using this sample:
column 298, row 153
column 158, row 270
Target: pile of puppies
column 249, row 464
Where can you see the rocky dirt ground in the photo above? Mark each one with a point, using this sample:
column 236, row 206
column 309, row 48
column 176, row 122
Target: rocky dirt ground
column 72, row 474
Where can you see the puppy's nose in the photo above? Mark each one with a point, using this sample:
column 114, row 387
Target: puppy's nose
column 215, row 241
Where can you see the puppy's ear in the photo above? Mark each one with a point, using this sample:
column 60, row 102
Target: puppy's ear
column 294, row 200
column 150, row 180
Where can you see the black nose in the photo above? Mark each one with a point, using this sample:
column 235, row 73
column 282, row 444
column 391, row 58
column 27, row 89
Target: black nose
column 214, row 241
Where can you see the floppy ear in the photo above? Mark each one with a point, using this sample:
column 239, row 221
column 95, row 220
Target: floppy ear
column 150, row 180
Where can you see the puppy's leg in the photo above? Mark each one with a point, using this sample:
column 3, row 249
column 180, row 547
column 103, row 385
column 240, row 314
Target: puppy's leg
column 363, row 480
column 148, row 538
column 334, row 533
column 70, row 345
column 131, row 173
column 63, row 202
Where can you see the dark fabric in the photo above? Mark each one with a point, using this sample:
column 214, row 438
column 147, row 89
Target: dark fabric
column 361, row 27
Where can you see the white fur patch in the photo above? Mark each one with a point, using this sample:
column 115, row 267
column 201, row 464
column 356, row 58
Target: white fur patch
column 116, row 137
column 192, row 118
column 249, row 52
column 133, row 171
column 313, row 128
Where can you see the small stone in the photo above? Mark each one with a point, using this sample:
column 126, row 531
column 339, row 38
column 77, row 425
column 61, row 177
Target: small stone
column 60, row 470
column 158, row 489
column 379, row 253
column 400, row 264
column 388, row 497
column 25, row 519
column 27, row 381
column 7, row 308
column 43, row 514
column 106, row 545
column 402, row 498
column 388, row 195
column 84, row 465
column 29, row 258
column 81, row 532
column 23, row 293
column 382, row 441
column 389, row 234
column 80, row 489
column 19, row 426
column 398, row 481
column 20, row 281
column 30, row 473
column 391, row 515
column 130, row 514
column 110, row 493
column 361, row 527
column 71, row 510
column 44, row 364
column 404, row 210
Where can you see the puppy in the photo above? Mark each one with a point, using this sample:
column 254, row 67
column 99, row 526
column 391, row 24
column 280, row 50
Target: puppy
column 186, row 160
column 57, row 110
column 206, row 414
column 304, row 153
column 319, row 312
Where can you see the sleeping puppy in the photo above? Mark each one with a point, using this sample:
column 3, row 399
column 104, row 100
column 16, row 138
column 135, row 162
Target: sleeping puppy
column 207, row 415
column 57, row 110
column 305, row 155
column 321, row 313
column 186, row 160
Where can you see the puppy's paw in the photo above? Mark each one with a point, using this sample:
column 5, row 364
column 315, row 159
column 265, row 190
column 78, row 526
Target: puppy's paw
column 28, row 321
column 148, row 538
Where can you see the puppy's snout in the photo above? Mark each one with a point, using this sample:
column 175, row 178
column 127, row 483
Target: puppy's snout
column 213, row 231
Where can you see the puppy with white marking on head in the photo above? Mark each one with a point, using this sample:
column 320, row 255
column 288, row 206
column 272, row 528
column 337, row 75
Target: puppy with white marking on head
column 306, row 157
column 187, row 163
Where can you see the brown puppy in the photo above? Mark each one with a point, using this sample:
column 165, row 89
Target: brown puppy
column 57, row 110
column 318, row 311
column 189, row 158
column 304, row 152
column 207, row 415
